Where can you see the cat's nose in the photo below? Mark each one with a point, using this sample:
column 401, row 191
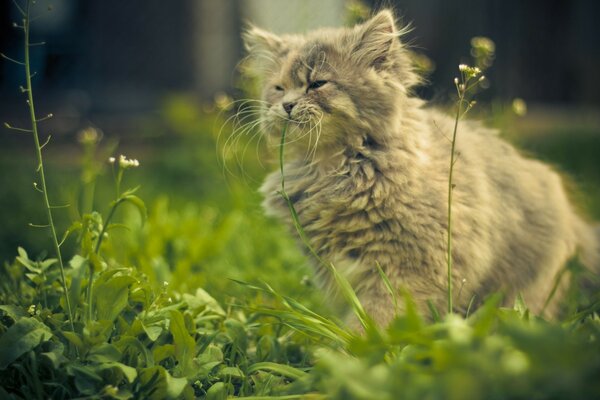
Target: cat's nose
column 288, row 107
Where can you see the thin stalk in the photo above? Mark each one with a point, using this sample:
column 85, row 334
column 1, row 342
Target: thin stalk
column 105, row 226
column 450, row 191
column 40, row 168
column 97, row 251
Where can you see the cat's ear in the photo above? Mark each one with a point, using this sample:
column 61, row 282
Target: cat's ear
column 261, row 43
column 376, row 40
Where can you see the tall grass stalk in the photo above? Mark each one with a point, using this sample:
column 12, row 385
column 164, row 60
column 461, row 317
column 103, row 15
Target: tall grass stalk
column 450, row 191
column 470, row 77
column 40, row 161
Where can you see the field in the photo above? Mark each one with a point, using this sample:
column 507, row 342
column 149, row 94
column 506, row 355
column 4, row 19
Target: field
column 177, row 286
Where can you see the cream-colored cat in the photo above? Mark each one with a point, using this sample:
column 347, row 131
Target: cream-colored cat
column 367, row 170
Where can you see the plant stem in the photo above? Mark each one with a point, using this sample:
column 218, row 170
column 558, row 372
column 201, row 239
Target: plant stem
column 450, row 191
column 97, row 251
column 40, row 167
column 105, row 226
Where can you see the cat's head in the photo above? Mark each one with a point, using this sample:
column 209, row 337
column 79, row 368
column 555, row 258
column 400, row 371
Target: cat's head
column 332, row 85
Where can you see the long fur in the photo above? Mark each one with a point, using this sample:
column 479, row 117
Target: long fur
column 367, row 169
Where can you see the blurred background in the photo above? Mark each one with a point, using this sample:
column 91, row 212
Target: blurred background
column 154, row 80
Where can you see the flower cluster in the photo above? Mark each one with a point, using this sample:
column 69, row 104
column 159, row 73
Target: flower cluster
column 468, row 71
column 124, row 162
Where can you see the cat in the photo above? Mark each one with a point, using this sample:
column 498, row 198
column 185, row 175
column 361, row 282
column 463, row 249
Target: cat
column 366, row 168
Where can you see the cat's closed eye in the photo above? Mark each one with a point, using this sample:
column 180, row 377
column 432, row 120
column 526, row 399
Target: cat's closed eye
column 316, row 84
column 279, row 88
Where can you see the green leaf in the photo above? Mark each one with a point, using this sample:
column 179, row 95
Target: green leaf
column 128, row 372
column 75, row 226
column 22, row 253
column 74, row 339
column 161, row 384
column 231, row 373
column 44, row 265
column 78, row 264
column 104, row 353
column 24, row 260
column 129, row 345
column 111, row 297
column 153, row 331
column 160, row 353
column 14, row 312
column 218, row 391
column 237, row 333
column 202, row 300
column 280, row 369
column 185, row 346
column 138, row 203
column 23, row 336
column 56, row 354
column 86, row 378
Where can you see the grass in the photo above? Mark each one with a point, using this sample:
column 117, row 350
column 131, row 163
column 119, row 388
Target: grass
column 203, row 297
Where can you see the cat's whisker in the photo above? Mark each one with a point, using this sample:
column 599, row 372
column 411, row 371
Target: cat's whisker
column 320, row 125
column 239, row 158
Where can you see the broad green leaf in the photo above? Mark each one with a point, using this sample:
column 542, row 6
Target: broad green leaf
column 14, row 312
column 185, row 346
column 23, row 336
column 152, row 331
column 162, row 385
column 111, row 297
column 78, row 265
column 237, row 333
column 98, row 332
column 55, row 355
column 74, row 339
column 159, row 353
column 218, row 391
column 202, row 300
column 86, row 377
column 130, row 346
column 104, row 353
column 128, row 372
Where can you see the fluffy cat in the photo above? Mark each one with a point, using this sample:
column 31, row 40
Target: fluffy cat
column 367, row 170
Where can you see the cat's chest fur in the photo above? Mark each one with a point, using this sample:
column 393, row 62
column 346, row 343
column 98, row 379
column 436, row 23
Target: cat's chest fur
column 362, row 211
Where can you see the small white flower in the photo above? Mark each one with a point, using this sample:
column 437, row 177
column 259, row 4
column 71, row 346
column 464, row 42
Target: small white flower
column 463, row 67
column 111, row 160
column 125, row 163
column 456, row 81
